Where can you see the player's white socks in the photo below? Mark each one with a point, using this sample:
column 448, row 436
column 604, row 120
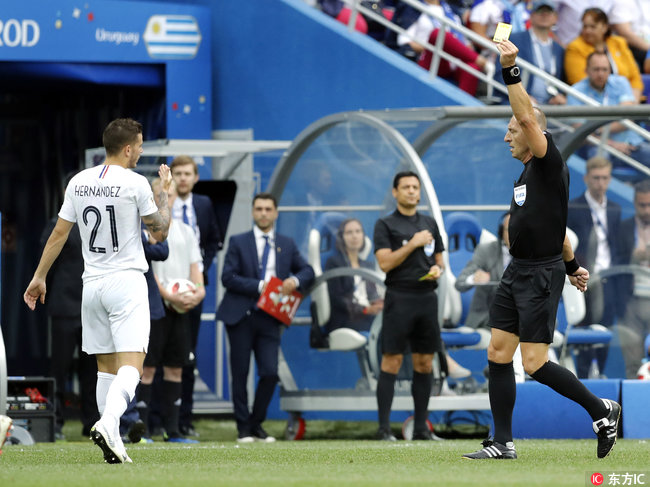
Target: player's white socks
column 104, row 381
column 121, row 393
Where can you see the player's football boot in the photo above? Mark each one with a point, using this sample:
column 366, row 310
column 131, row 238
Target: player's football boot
column 493, row 450
column 108, row 444
column 607, row 428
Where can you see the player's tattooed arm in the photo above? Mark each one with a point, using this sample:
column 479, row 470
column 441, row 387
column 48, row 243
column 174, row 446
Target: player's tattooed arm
column 158, row 223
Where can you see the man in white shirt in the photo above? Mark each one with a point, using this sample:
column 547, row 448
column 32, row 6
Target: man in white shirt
column 171, row 341
column 108, row 202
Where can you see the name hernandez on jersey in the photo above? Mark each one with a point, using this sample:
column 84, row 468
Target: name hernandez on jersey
column 98, row 191
column 107, row 203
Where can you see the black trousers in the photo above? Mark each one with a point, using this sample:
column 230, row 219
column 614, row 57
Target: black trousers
column 187, row 380
column 259, row 334
column 66, row 339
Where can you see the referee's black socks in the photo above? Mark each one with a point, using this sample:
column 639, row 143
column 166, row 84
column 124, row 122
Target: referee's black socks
column 502, row 391
column 564, row 382
column 421, row 391
column 385, row 393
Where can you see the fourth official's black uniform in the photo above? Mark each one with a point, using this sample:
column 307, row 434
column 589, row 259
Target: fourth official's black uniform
column 411, row 305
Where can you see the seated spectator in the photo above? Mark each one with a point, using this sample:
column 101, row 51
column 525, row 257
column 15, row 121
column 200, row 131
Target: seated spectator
column 424, row 28
column 595, row 219
column 354, row 301
column 611, row 89
column 537, row 46
column 634, row 245
column 569, row 15
column 487, row 265
column 630, row 19
column 596, row 36
column 342, row 13
column 486, row 14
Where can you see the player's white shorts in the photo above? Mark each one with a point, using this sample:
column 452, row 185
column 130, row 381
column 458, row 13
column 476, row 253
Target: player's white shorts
column 115, row 313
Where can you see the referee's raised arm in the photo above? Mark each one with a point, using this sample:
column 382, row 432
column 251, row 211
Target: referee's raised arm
column 522, row 108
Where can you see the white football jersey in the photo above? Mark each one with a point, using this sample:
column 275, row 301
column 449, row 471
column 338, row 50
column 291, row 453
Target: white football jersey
column 107, row 202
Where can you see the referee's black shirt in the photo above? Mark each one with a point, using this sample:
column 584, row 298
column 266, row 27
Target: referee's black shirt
column 393, row 232
column 539, row 206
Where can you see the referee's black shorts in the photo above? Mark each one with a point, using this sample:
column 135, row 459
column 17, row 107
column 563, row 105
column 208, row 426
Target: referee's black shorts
column 527, row 298
column 410, row 317
column 169, row 341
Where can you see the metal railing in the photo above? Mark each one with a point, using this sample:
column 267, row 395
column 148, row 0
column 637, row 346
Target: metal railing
column 528, row 69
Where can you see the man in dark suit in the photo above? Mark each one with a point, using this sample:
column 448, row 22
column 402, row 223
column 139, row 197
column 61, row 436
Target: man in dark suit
column 537, row 46
column 197, row 211
column 252, row 258
column 634, row 248
column 487, row 265
column 596, row 221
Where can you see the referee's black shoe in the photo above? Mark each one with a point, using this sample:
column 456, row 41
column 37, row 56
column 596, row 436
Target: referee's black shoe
column 493, row 450
column 426, row 434
column 607, row 428
column 385, row 435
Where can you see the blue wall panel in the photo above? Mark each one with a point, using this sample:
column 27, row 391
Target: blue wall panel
column 636, row 420
column 281, row 65
column 540, row 412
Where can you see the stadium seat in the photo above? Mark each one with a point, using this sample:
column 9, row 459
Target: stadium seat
column 321, row 246
column 464, row 233
column 571, row 311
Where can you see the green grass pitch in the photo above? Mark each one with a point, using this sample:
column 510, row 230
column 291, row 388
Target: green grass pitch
column 318, row 460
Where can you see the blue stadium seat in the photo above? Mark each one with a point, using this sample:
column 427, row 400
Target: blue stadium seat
column 571, row 311
column 464, row 233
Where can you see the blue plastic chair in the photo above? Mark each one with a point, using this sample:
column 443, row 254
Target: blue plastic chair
column 464, row 233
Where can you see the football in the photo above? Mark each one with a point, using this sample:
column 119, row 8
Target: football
column 644, row 372
column 178, row 286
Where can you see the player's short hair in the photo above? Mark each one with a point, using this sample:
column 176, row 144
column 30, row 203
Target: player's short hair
column 184, row 161
column 265, row 196
column 598, row 162
column 404, row 174
column 119, row 133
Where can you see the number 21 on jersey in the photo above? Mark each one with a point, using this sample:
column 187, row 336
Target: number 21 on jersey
column 97, row 215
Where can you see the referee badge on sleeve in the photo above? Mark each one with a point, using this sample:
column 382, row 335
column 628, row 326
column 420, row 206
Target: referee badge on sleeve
column 520, row 195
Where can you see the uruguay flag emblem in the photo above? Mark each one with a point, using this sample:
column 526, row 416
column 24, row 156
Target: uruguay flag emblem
column 172, row 37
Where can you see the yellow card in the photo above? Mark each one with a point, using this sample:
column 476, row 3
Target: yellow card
column 425, row 276
column 502, row 33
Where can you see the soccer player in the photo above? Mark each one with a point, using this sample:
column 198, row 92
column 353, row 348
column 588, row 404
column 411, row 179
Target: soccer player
column 108, row 202
column 525, row 306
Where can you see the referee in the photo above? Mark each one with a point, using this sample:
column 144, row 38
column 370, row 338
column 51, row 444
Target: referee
column 525, row 306
column 408, row 249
